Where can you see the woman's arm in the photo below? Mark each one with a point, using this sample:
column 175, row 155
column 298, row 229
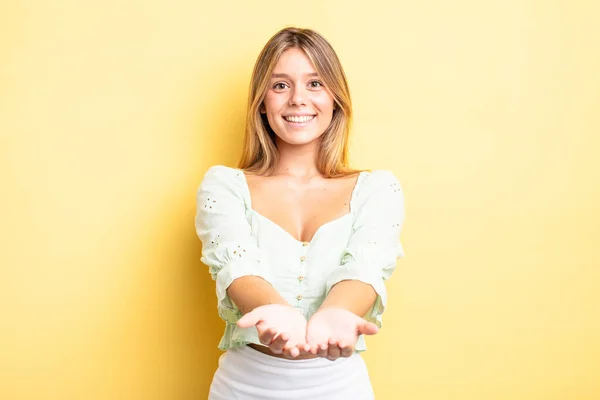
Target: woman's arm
column 333, row 330
column 242, row 274
column 250, row 292
column 355, row 296
column 280, row 327
column 356, row 289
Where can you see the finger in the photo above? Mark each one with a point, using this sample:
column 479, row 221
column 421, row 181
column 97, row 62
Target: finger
column 293, row 348
column 346, row 350
column 313, row 349
column 322, row 350
column 334, row 350
column 315, row 342
column 303, row 348
column 267, row 335
column 367, row 328
column 291, row 351
column 278, row 344
column 249, row 320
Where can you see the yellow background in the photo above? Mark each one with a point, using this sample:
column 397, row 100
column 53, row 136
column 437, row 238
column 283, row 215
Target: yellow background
column 488, row 112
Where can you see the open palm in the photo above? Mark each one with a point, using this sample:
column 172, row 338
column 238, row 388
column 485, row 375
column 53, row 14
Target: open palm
column 333, row 332
column 281, row 328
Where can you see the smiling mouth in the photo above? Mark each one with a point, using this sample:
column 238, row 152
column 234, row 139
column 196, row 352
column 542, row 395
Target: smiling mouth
column 299, row 119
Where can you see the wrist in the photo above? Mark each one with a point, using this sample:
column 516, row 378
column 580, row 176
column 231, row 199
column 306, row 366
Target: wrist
column 332, row 306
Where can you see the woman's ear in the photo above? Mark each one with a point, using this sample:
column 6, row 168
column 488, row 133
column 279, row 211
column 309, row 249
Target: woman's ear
column 262, row 109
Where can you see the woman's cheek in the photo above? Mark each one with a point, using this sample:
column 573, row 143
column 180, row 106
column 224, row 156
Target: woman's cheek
column 325, row 102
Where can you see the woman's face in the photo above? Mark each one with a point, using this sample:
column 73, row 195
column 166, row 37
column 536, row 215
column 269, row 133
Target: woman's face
column 298, row 106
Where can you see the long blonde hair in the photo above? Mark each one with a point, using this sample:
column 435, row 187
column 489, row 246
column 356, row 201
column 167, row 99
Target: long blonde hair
column 259, row 153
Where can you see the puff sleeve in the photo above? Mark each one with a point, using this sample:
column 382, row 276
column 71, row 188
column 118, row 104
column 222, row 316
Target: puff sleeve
column 228, row 247
column 374, row 245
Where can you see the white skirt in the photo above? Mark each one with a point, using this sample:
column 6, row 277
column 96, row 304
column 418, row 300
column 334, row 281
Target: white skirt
column 247, row 374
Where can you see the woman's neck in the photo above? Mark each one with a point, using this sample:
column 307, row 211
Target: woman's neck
column 298, row 161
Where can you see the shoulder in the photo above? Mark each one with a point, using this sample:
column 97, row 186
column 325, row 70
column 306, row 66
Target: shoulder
column 380, row 181
column 378, row 191
column 223, row 172
column 222, row 178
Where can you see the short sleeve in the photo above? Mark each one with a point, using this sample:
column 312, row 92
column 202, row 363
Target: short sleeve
column 228, row 247
column 374, row 245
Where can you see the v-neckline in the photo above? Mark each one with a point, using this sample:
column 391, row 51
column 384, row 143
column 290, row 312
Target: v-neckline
column 312, row 239
column 320, row 228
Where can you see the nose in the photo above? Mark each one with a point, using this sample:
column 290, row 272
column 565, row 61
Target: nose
column 297, row 96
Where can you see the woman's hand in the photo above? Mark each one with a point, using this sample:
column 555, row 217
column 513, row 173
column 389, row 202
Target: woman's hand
column 282, row 328
column 333, row 332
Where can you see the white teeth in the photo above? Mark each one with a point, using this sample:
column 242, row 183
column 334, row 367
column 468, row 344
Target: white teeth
column 303, row 118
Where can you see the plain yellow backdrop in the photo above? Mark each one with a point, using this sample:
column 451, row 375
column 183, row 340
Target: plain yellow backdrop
column 487, row 111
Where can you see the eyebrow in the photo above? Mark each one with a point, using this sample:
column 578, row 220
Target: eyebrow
column 287, row 76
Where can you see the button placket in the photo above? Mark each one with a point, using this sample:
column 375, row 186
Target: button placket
column 301, row 275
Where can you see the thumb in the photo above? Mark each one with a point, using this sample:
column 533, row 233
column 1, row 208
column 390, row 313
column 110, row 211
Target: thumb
column 366, row 328
column 250, row 319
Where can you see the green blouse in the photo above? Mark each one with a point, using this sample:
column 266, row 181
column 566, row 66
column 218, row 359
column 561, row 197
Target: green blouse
column 238, row 241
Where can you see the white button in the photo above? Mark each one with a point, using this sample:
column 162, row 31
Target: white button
column 304, row 244
column 299, row 297
column 302, row 258
column 301, row 278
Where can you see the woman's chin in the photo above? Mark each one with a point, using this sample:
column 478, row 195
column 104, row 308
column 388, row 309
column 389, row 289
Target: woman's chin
column 298, row 140
column 298, row 137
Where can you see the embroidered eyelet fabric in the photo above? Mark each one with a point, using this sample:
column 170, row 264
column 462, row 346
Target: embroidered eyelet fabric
column 237, row 241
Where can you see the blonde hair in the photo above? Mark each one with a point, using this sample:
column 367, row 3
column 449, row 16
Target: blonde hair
column 259, row 153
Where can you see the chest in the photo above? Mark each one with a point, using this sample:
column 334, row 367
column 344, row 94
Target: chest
column 301, row 209
column 307, row 262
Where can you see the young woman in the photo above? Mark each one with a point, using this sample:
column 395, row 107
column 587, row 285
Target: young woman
column 299, row 244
